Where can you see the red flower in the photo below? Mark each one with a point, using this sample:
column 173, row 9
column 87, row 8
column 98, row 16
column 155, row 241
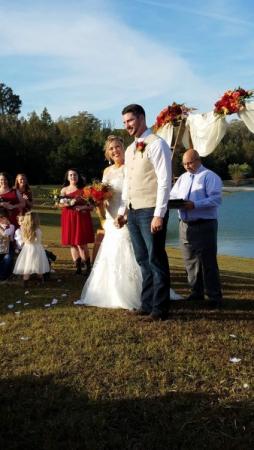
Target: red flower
column 172, row 114
column 232, row 101
column 141, row 146
column 97, row 192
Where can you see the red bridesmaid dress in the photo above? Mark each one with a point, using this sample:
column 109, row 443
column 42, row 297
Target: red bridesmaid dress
column 13, row 199
column 76, row 226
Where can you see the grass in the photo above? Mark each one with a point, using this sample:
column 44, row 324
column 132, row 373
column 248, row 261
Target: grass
column 87, row 378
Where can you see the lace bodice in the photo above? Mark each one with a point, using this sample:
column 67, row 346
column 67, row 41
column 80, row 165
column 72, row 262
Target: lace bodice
column 114, row 177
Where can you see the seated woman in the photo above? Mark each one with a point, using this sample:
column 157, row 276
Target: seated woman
column 21, row 185
column 6, row 246
column 10, row 198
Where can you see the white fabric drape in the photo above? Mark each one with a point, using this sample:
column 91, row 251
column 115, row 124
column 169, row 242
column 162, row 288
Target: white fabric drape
column 167, row 132
column 247, row 116
column 207, row 130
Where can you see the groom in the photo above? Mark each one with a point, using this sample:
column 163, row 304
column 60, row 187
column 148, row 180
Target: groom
column 146, row 191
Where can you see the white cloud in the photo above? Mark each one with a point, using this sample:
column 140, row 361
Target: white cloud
column 97, row 63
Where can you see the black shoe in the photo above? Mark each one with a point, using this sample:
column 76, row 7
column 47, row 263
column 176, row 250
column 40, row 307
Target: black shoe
column 215, row 303
column 51, row 256
column 139, row 312
column 156, row 317
column 78, row 266
column 195, row 298
column 87, row 267
column 46, row 276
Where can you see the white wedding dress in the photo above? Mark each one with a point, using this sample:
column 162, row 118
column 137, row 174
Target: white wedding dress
column 115, row 280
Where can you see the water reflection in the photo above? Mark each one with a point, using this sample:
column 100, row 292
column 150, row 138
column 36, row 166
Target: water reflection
column 236, row 225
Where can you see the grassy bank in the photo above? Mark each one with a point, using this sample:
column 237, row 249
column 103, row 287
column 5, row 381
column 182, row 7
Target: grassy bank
column 87, row 378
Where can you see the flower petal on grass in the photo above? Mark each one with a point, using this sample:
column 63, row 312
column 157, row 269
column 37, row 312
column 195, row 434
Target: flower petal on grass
column 235, row 360
column 233, row 336
column 24, row 338
column 10, row 306
column 26, row 292
column 54, row 301
column 47, row 305
column 17, row 313
column 25, row 304
column 18, row 301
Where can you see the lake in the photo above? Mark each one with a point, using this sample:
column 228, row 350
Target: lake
column 236, row 225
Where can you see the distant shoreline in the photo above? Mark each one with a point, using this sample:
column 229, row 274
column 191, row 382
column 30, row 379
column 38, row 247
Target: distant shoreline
column 238, row 188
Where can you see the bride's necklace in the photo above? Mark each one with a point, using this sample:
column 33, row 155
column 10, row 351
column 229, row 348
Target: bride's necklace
column 118, row 166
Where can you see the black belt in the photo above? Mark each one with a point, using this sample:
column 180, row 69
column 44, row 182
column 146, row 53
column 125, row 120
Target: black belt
column 198, row 221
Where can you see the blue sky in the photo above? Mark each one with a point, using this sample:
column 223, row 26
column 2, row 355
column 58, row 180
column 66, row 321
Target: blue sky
column 99, row 55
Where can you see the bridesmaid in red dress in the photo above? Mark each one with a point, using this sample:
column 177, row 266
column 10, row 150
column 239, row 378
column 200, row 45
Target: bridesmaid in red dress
column 10, row 198
column 77, row 228
column 21, row 185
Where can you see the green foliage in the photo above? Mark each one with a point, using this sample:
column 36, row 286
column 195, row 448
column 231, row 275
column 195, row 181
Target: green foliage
column 44, row 149
column 10, row 103
column 239, row 171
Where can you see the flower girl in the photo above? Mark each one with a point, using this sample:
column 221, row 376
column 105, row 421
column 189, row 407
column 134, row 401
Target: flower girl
column 32, row 258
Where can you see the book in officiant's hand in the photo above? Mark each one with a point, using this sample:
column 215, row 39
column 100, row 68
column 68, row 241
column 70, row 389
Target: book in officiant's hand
column 177, row 203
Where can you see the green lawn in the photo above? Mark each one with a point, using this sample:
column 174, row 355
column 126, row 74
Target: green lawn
column 87, row 378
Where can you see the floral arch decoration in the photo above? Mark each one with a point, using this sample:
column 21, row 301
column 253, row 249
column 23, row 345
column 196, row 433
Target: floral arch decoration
column 204, row 131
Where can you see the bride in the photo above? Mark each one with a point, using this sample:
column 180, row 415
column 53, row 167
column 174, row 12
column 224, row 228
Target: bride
column 115, row 280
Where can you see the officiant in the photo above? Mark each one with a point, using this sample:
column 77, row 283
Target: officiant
column 201, row 189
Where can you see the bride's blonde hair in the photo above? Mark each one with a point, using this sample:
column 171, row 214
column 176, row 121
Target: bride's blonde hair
column 30, row 224
column 110, row 138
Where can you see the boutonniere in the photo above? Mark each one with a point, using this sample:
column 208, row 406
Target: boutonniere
column 140, row 147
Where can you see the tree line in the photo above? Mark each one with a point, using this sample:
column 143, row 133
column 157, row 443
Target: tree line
column 44, row 149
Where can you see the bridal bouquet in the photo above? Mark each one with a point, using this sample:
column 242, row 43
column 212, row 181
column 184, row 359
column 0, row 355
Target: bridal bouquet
column 62, row 200
column 97, row 192
column 172, row 114
column 67, row 201
column 232, row 101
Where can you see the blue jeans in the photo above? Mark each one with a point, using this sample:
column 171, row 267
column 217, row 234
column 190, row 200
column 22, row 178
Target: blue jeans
column 151, row 255
column 6, row 265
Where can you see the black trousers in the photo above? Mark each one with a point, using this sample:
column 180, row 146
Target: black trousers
column 199, row 247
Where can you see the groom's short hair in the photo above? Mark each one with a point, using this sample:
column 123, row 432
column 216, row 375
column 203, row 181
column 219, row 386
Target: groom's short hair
column 137, row 110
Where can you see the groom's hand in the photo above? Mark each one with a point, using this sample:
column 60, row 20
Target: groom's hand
column 156, row 224
column 120, row 221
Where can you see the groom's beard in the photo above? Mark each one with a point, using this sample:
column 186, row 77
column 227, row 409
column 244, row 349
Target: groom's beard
column 136, row 131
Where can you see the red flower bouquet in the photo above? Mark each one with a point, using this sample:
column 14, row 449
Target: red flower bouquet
column 232, row 101
column 97, row 192
column 172, row 114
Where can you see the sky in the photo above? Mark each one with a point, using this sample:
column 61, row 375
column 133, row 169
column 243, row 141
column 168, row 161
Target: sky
column 101, row 55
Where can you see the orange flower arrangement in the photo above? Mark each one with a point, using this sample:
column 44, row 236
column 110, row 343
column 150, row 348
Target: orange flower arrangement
column 97, row 192
column 172, row 114
column 232, row 101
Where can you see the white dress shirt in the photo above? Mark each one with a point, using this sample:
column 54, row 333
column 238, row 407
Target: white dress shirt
column 203, row 188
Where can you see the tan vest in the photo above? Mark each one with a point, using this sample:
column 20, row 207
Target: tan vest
column 141, row 178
